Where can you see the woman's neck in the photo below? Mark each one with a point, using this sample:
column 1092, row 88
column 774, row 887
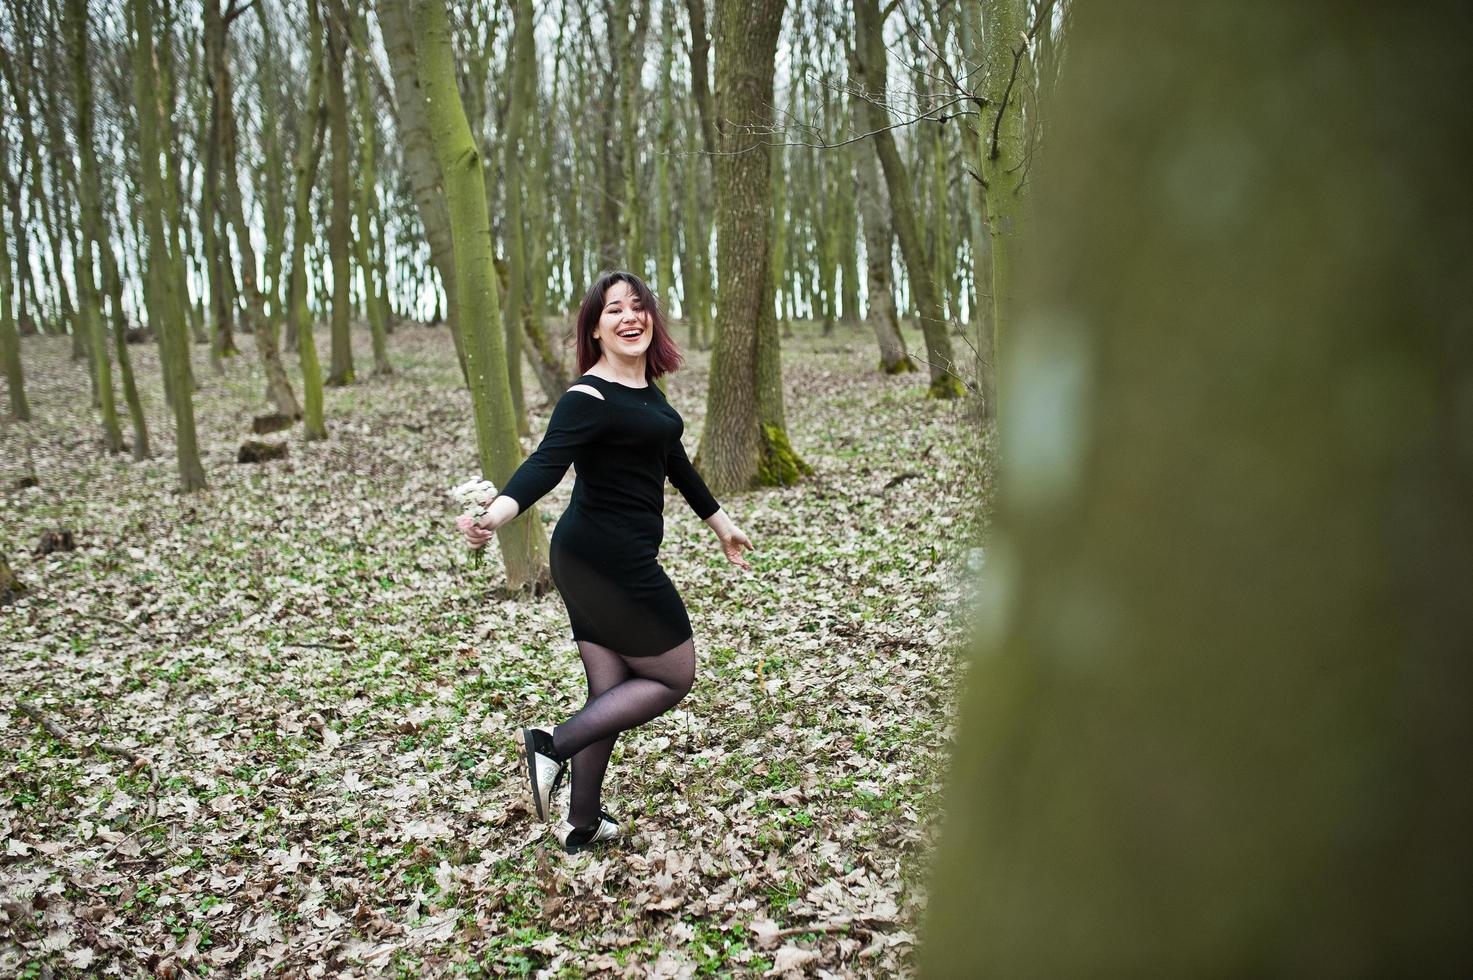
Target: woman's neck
column 625, row 370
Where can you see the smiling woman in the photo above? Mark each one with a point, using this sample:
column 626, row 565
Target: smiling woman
column 629, row 622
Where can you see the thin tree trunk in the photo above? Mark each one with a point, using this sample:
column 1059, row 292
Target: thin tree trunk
column 984, row 327
column 20, row 406
column 341, row 184
column 310, row 130
column 367, row 201
column 165, row 312
column 523, row 543
column 1000, row 150
column 91, row 218
column 278, row 386
column 113, row 285
column 879, row 252
column 868, row 65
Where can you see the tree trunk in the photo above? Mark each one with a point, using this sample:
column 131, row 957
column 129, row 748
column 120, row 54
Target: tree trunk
column 1001, row 150
column 374, row 286
column 113, row 284
column 523, row 543
column 879, row 251
column 20, row 406
column 278, row 387
column 419, row 158
column 164, row 311
column 745, row 441
column 984, row 328
column 310, row 131
column 868, row 66
column 1219, row 724
column 525, row 263
column 88, row 299
column 341, row 184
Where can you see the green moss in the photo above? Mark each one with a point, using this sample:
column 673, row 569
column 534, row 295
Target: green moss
column 903, row 366
column 945, row 387
column 779, row 465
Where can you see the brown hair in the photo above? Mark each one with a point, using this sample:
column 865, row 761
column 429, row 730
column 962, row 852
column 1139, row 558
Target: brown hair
column 661, row 358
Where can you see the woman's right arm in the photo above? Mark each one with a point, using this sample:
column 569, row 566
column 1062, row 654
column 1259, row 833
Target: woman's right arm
column 576, row 421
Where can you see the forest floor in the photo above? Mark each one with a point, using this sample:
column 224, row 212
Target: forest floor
column 281, row 710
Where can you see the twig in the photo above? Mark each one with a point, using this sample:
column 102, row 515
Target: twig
column 108, row 853
column 62, row 735
column 323, row 646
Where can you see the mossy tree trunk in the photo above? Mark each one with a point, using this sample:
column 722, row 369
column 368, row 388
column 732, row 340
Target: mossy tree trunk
column 868, row 65
column 1217, row 724
column 310, row 132
column 1001, row 150
column 523, row 542
column 745, row 442
column 165, row 312
column 419, row 158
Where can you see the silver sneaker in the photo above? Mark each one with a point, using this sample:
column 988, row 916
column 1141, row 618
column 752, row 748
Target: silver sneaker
column 544, row 771
column 575, row 839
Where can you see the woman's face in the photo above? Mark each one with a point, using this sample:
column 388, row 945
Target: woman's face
column 624, row 325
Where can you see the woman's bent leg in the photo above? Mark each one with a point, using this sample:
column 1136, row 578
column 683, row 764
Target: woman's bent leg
column 605, row 670
column 657, row 685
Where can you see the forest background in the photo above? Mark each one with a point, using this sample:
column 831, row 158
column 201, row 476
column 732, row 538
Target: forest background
column 255, row 698
column 254, row 687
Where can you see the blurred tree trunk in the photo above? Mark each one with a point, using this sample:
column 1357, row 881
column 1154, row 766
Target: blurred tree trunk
column 1217, row 724
column 523, row 542
column 164, row 310
column 311, row 127
column 745, row 442
column 868, row 67
column 88, row 298
column 340, row 181
column 374, row 287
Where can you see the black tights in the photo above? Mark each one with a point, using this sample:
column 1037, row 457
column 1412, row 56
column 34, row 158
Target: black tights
column 623, row 693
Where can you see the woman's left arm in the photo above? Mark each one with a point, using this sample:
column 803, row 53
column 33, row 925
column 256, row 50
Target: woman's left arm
column 685, row 478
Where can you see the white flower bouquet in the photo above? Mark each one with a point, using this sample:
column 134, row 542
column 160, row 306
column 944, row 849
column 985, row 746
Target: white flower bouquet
column 475, row 496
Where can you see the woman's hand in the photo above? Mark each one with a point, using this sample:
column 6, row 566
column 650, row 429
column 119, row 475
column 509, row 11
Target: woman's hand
column 732, row 544
column 475, row 535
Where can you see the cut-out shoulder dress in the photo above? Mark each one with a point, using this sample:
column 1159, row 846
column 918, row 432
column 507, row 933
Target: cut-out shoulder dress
column 605, row 549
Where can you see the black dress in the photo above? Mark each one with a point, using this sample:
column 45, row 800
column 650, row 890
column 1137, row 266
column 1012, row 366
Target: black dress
column 606, row 546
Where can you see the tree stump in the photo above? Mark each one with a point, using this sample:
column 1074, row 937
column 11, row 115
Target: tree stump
column 260, row 452
column 11, row 588
column 61, row 539
column 275, row 422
